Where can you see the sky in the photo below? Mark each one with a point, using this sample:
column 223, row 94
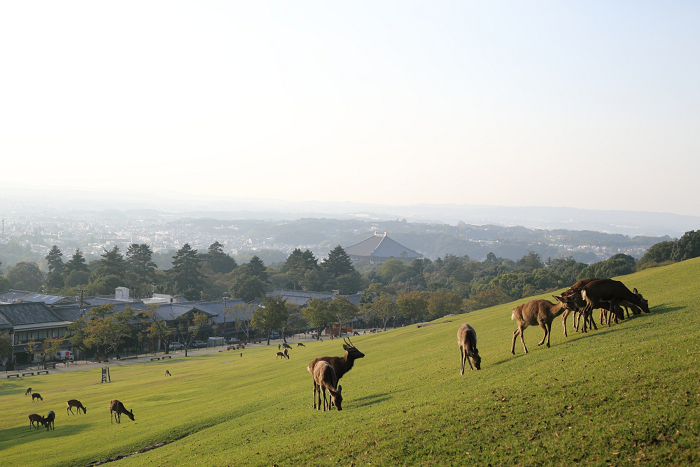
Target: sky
column 592, row 105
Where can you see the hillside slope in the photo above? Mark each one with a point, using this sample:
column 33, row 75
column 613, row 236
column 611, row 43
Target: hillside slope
column 621, row 395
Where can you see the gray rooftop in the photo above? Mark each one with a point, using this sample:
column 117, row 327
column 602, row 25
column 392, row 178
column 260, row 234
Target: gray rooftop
column 381, row 246
column 19, row 314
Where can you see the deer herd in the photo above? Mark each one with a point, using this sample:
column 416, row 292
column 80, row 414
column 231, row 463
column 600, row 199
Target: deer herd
column 612, row 297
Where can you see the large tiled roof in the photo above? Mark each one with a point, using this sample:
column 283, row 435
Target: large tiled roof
column 381, row 246
column 11, row 296
column 19, row 314
column 302, row 297
column 47, row 299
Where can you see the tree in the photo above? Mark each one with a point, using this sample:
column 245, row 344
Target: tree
column 26, row 276
column 656, row 255
column 385, row 309
column 110, row 274
column 317, row 314
column 240, row 320
column 271, row 315
column 248, row 288
column 256, row 268
column 413, row 305
column 50, row 346
column 443, row 303
column 221, row 263
column 142, row 269
column 529, row 262
column 103, row 327
column 6, row 349
column 189, row 325
column 54, row 261
column 687, row 247
column 4, row 283
column 76, row 263
column 617, row 265
column 185, row 271
column 343, row 311
column 298, row 266
column 156, row 328
column 338, row 263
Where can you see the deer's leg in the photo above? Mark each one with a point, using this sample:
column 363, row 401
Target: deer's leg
column 549, row 332
column 543, row 325
column 515, row 336
column 522, row 338
column 563, row 320
column 461, row 359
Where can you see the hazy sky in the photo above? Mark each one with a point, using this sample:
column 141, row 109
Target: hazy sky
column 583, row 104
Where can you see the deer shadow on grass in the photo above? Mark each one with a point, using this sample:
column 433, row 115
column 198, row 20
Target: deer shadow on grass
column 20, row 435
column 663, row 308
column 370, row 400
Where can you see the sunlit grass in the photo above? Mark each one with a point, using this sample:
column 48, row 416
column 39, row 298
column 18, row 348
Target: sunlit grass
column 621, row 395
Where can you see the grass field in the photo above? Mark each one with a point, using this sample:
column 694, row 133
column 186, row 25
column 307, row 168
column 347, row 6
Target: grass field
column 622, row 395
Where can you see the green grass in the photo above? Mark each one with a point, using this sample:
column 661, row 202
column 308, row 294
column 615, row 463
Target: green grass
column 622, row 395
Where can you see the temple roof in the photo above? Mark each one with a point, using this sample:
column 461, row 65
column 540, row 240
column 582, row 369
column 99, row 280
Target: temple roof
column 380, row 246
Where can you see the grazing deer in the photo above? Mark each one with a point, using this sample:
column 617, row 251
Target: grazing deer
column 281, row 354
column 287, row 346
column 35, row 396
column 577, row 303
column 117, row 408
column 300, row 344
column 49, row 419
column 540, row 312
column 74, row 403
column 343, row 364
column 167, row 373
column 28, row 392
column 35, row 418
column 466, row 339
column 325, row 378
column 614, row 292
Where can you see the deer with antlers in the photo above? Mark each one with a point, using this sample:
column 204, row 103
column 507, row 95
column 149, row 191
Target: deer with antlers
column 343, row 364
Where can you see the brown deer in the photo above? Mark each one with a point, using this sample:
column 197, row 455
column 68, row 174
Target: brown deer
column 74, row 403
column 49, row 419
column 614, row 292
column 577, row 304
column 281, row 354
column 35, row 418
column 343, row 364
column 325, row 378
column 167, row 373
column 466, row 339
column 28, row 392
column 117, row 408
column 36, row 396
column 300, row 344
column 540, row 312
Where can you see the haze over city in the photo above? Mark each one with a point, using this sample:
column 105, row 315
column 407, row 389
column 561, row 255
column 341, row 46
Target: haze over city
column 586, row 105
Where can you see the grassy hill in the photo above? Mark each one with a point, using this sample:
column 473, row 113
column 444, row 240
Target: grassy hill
column 622, row 395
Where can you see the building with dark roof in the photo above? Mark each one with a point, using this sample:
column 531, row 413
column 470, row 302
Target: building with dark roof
column 379, row 248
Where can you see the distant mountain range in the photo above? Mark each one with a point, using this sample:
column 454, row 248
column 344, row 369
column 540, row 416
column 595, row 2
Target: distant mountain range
column 630, row 223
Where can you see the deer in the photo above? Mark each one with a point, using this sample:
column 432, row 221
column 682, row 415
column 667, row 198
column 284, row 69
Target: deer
column 466, row 339
column 35, row 418
column 343, row 364
column 117, row 408
column 36, row 396
column 74, row 403
column 577, row 304
column 287, row 346
column 281, row 354
column 28, row 392
column 611, row 291
column 300, row 344
column 325, row 378
column 540, row 312
column 49, row 420
column 167, row 373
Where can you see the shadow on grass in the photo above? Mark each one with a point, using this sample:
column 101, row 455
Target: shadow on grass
column 664, row 308
column 23, row 434
column 373, row 399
